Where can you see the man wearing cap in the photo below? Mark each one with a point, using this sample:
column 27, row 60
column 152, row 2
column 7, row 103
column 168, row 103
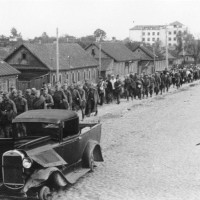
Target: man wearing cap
column 68, row 94
column 39, row 101
column 59, row 97
column 76, row 98
column 29, row 99
column 101, row 90
column 8, row 112
column 117, row 86
column 83, row 98
column 113, row 80
column 48, row 99
column 22, row 106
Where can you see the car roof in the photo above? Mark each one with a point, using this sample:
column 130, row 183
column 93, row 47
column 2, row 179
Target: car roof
column 46, row 116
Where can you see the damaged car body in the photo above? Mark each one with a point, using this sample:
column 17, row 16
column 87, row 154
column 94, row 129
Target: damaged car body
column 56, row 151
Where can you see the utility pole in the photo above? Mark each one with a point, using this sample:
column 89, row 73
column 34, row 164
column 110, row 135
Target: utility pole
column 100, row 55
column 166, row 48
column 57, row 56
column 154, row 67
column 183, row 49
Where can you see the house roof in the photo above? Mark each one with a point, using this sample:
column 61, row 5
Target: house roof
column 117, row 50
column 71, row 55
column 143, row 27
column 142, row 55
column 176, row 23
column 7, row 70
column 147, row 54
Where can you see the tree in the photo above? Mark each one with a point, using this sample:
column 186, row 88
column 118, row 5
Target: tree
column 99, row 33
column 14, row 32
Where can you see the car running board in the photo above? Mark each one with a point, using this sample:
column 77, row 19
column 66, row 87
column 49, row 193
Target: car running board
column 73, row 176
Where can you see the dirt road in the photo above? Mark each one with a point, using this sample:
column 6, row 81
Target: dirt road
column 150, row 151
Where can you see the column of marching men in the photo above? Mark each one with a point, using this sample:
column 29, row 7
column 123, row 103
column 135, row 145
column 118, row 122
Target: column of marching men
column 87, row 96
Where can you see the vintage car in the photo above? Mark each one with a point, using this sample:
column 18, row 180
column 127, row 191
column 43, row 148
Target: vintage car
column 55, row 151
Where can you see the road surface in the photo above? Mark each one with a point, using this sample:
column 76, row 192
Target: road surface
column 149, row 148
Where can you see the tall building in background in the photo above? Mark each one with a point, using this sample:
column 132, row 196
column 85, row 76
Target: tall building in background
column 151, row 33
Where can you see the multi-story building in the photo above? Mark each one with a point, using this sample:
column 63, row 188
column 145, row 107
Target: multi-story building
column 151, row 33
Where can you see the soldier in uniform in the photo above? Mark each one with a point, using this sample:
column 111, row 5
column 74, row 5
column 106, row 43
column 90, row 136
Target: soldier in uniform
column 108, row 90
column 101, row 90
column 76, row 98
column 152, row 83
column 117, row 86
column 157, row 83
column 127, row 87
column 83, row 98
column 59, row 97
column 146, row 85
column 8, row 113
column 48, row 99
column 91, row 101
column 68, row 94
column 29, row 99
column 39, row 101
column 21, row 106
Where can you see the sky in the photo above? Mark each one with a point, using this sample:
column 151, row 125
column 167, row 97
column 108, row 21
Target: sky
column 83, row 17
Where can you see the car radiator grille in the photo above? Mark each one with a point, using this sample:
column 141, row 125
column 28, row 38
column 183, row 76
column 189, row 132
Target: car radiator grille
column 12, row 170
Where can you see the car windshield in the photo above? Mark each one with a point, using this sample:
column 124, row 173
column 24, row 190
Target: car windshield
column 36, row 129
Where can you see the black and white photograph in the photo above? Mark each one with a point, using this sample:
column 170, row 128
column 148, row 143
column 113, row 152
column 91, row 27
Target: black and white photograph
column 99, row 100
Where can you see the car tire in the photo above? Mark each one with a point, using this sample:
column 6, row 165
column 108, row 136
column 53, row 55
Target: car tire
column 45, row 193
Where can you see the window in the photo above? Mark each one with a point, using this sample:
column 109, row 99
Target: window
column 78, row 76
column 143, row 33
column 24, row 56
column 73, row 77
column 174, row 26
column 174, row 39
column 169, row 39
column 153, row 39
column 54, row 79
column 157, row 39
column 60, row 78
column 153, row 33
column 170, row 44
column 148, row 39
column 89, row 74
column 158, row 33
column 175, row 32
column 143, row 39
column 148, row 33
column 126, row 64
column 84, row 77
column 169, row 33
column 93, row 52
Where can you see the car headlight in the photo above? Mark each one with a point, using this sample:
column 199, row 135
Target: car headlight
column 27, row 163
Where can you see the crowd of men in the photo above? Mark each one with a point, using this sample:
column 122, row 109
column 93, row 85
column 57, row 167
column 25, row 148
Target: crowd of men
column 86, row 97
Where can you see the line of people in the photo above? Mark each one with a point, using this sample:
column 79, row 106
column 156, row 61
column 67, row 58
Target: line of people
column 74, row 97
column 86, row 97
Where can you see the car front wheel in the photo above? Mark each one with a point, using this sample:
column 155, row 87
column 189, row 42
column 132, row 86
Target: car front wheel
column 45, row 193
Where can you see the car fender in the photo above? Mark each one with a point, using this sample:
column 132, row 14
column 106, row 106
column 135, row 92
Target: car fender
column 92, row 147
column 42, row 175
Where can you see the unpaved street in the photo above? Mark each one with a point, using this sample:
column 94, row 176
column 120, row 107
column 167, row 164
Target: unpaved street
column 150, row 151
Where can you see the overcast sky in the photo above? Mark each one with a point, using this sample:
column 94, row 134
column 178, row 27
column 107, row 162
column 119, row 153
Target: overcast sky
column 83, row 17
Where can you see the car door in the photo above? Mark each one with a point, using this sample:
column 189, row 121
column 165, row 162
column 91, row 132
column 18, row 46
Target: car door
column 70, row 144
